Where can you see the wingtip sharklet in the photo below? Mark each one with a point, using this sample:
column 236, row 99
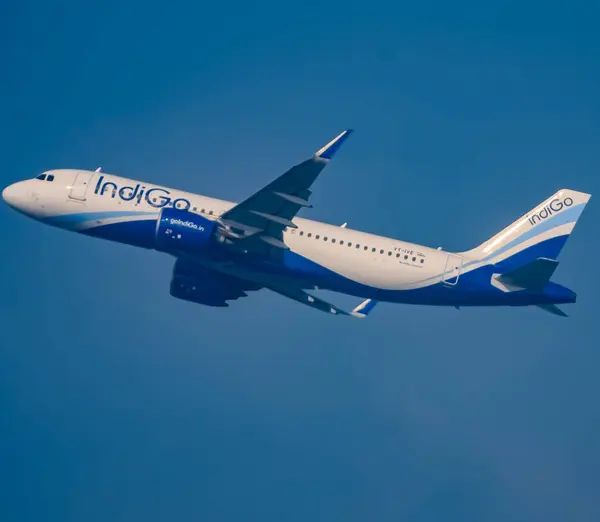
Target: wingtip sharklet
column 328, row 151
column 364, row 308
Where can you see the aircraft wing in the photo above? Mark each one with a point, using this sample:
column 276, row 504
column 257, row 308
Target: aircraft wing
column 257, row 223
column 361, row 311
column 198, row 284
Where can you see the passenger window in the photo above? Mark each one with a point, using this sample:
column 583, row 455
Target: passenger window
column 422, row 260
column 357, row 245
column 381, row 251
column 325, row 238
column 405, row 257
column 341, row 241
column 389, row 253
column 317, row 236
column 309, row 234
column 414, row 259
column 302, row 232
column 397, row 255
column 210, row 212
column 366, row 248
column 349, row 244
column 333, row 240
column 374, row 249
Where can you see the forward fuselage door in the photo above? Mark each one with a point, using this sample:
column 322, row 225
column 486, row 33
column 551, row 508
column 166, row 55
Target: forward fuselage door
column 452, row 269
column 80, row 185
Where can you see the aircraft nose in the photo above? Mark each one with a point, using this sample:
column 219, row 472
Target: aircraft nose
column 9, row 194
column 14, row 194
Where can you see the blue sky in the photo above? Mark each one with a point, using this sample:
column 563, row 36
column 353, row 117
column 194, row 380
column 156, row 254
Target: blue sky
column 118, row 402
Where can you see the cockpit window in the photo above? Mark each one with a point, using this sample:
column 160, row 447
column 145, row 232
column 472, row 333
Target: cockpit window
column 45, row 177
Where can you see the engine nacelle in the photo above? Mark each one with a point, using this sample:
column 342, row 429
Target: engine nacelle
column 183, row 231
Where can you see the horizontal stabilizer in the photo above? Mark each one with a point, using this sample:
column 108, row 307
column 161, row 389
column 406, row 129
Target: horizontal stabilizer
column 552, row 309
column 532, row 276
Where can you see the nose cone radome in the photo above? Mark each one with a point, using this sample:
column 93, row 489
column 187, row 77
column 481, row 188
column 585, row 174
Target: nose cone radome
column 11, row 195
column 17, row 195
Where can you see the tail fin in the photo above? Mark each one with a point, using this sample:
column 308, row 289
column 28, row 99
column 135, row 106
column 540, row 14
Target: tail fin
column 542, row 232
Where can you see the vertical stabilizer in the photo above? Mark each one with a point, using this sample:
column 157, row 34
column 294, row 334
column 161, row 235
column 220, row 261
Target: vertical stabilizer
column 542, row 232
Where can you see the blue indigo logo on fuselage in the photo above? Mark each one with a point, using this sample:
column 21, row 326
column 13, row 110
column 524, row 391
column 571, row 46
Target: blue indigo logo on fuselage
column 555, row 206
column 155, row 197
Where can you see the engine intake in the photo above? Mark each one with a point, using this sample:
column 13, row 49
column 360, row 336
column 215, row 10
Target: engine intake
column 183, row 231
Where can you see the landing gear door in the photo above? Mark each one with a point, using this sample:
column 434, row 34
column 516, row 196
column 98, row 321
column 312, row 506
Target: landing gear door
column 452, row 269
column 80, row 185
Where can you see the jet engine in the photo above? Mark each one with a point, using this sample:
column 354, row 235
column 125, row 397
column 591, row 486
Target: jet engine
column 181, row 231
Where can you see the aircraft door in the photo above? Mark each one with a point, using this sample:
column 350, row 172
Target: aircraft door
column 80, row 185
column 452, row 269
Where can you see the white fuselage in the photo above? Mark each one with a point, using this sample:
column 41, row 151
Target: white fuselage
column 312, row 254
column 371, row 260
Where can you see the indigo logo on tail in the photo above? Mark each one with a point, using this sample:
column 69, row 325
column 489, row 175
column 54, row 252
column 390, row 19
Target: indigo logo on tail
column 556, row 205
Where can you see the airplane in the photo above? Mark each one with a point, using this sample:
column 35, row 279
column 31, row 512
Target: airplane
column 223, row 251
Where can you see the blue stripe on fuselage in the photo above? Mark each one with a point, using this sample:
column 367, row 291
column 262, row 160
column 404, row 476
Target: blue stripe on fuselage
column 141, row 232
column 473, row 288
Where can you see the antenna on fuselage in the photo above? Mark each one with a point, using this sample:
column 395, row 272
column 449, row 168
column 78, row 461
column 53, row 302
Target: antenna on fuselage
column 99, row 169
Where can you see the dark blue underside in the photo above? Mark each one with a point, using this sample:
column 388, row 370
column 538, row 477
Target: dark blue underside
column 473, row 288
column 139, row 233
